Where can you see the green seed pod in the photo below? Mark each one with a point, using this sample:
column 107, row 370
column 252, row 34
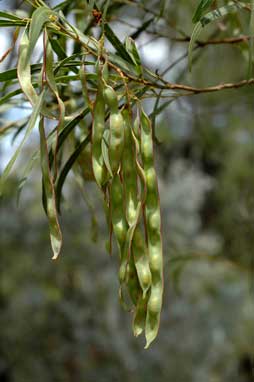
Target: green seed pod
column 85, row 164
column 154, row 303
column 153, row 227
column 141, row 261
column 99, row 169
column 155, row 260
column 117, row 213
column 111, row 99
column 116, row 141
column 129, row 169
column 116, row 130
column 139, row 319
column 132, row 282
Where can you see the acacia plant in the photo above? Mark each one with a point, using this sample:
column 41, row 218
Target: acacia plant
column 83, row 91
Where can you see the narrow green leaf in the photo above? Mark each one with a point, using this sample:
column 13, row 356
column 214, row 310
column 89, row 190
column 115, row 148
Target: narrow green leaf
column 24, row 70
column 62, row 5
column 51, row 81
column 67, row 130
column 10, row 95
column 162, row 7
column 58, row 49
column 24, row 75
column 41, row 16
column 11, row 74
column 17, row 125
column 158, row 109
column 116, row 43
column 12, row 23
column 105, row 10
column 32, row 121
column 49, row 65
column 142, row 28
column 8, row 15
column 133, row 52
column 50, row 138
column 94, row 228
column 83, row 79
column 89, row 41
column 201, row 8
column 218, row 13
column 54, row 228
column 25, row 174
column 68, row 62
column 212, row 16
column 104, row 150
column 67, row 167
column 126, row 66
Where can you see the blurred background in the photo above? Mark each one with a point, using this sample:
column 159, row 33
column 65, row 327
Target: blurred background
column 62, row 321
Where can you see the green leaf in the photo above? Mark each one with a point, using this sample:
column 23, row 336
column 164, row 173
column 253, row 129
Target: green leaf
column 116, row 43
column 25, row 174
column 158, row 109
column 133, row 52
column 24, row 75
column 88, row 41
column 62, row 5
column 24, row 70
column 104, row 149
column 113, row 39
column 58, row 49
column 7, row 96
column 91, row 43
column 54, row 228
column 8, row 15
column 50, row 76
column 12, row 23
column 11, row 74
column 201, row 8
column 142, row 28
column 94, row 223
column 67, row 130
column 68, row 62
column 162, row 7
column 17, row 125
column 67, row 167
column 61, row 139
column 51, row 81
column 40, row 17
column 83, row 80
column 208, row 18
column 32, row 121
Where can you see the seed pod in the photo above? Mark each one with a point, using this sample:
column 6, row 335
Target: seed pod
column 116, row 129
column 132, row 282
column 85, row 164
column 119, row 223
column 98, row 128
column 141, row 260
column 139, row 319
column 117, row 214
column 129, row 168
column 153, row 227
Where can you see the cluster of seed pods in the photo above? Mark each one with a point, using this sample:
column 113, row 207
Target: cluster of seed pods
column 123, row 167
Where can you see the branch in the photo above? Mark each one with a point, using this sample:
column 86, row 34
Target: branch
column 228, row 40
column 194, row 90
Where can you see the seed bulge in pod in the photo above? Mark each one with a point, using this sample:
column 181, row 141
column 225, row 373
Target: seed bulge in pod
column 154, row 304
